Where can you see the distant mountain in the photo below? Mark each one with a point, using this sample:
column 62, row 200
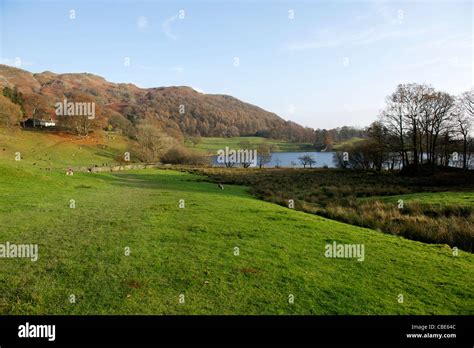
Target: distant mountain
column 177, row 110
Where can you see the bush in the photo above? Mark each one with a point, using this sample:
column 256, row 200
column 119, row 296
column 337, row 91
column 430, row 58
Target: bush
column 181, row 155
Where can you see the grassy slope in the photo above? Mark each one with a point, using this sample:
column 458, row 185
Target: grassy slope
column 342, row 146
column 212, row 145
column 54, row 151
column 190, row 251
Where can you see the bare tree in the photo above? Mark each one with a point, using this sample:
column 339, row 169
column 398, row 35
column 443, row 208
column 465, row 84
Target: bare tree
column 306, row 160
column 463, row 121
column 277, row 163
column 246, row 146
column 153, row 143
column 417, row 115
column 413, row 97
column 393, row 120
column 437, row 115
column 466, row 102
column 338, row 159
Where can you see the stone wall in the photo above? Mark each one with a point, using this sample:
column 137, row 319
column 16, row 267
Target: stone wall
column 118, row 168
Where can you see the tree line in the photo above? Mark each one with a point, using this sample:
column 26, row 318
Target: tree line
column 419, row 126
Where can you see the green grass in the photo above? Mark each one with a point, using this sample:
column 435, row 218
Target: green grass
column 212, row 145
column 344, row 145
column 433, row 198
column 354, row 197
column 48, row 150
column 190, row 251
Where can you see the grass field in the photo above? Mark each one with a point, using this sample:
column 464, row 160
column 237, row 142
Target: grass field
column 57, row 151
column 369, row 199
column 344, row 145
column 212, row 145
column 191, row 251
column 433, row 198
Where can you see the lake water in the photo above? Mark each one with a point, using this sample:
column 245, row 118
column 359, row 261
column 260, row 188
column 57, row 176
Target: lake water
column 290, row 159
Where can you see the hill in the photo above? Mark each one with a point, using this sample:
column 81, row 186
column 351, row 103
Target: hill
column 178, row 110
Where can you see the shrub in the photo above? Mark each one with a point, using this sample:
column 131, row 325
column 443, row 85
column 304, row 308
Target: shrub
column 181, row 155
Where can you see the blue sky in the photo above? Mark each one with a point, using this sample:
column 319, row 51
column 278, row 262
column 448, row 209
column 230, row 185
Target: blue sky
column 332, row 64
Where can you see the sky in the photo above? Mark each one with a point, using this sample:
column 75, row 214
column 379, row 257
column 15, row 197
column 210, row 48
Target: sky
column 322, row 64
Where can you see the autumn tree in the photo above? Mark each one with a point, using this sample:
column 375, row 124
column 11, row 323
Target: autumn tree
column 85, row 116
column 37, row 107
column 264, row 154
column 15, row 96
column 153, row 143
column 377, row 143
column 10, row 113
column 328, row 140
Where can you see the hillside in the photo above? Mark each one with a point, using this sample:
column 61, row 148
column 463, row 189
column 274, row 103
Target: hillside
column 57, row 151
column 178, row 110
